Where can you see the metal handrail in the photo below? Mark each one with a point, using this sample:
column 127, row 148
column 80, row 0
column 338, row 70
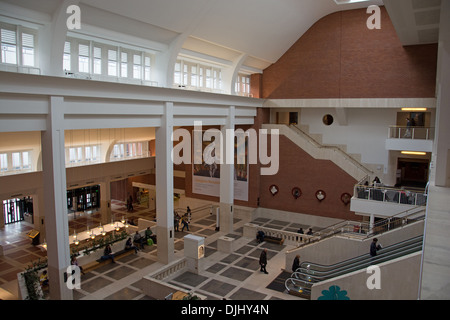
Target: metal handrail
column 363, row 228
column 405, row 132
column 307, row 276
column 313, row 268
column 384, row 194
column 195, row 210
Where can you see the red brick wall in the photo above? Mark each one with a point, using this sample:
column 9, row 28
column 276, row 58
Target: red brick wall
column 299, row 170
column 339, row 57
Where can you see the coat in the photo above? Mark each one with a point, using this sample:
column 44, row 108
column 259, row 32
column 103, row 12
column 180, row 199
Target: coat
column 263, row 258
column 296, row 264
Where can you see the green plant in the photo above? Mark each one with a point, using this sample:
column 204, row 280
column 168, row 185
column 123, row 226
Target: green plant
column 32, row 282
column 190, row 296
column 31, row 279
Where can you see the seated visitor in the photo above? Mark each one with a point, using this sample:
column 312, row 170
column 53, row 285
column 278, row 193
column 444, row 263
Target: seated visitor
column 129, row 245
column 138, row 239
column 149, row 235
column 260, row 236
column 74, row 262
column 107, row 253
column 43, row 279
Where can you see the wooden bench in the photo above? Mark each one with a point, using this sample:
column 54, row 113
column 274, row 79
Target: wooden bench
column 100, row 262
column 274, row 239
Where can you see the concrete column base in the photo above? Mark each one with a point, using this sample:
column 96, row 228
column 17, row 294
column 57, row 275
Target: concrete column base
column 166, row 249
column 226, row 217
column 58, row 288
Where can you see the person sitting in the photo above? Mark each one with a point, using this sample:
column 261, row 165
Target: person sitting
column 74, row 262
column 300, row 231
column 149, row 235
column 138, row 239
column 129, row 245
column 260, row 236
column 43, row 279
column 107, row 254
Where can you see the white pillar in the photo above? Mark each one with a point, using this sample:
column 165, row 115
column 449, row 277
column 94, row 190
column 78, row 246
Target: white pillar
column 164, row 187
column 227, row 174
column 105, row 201
column 371, row 223
column 442, row 143
column 55, row 200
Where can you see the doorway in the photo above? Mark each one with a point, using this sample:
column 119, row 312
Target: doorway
column 413, row 172
column 83, row 199
column 17, row 209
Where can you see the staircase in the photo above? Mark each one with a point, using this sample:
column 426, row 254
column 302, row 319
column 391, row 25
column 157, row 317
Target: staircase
column 315, row 149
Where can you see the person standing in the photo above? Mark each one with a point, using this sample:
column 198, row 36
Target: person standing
column 374, row 247
column 189, row 214
column 296, row 263
column 263, row 261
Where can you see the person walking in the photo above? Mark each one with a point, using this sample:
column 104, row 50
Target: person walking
column 185, row 223
column 263, row 261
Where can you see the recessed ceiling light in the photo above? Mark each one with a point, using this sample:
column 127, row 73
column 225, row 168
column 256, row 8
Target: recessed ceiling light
column 414, row 153
column 414, row 109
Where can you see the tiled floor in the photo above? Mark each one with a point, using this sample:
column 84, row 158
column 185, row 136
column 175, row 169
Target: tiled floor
column 225, row 276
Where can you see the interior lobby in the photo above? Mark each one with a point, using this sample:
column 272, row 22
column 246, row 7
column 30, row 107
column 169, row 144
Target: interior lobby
column 275, row 116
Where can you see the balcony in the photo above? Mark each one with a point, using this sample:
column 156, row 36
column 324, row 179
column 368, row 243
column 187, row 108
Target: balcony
column 385, row 202
column 419, row 139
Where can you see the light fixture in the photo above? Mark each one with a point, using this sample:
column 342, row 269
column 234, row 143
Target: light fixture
column 414, row 109
column 414, row 153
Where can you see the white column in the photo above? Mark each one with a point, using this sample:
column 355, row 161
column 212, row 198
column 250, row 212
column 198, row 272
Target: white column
column 442, row 143
column 227, row 174
column 371, row 223
column 164, row 187
column 105, row 201
column 55, row 200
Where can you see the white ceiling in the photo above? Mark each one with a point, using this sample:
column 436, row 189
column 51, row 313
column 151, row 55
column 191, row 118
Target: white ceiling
column 260, row 30
column 416, row 21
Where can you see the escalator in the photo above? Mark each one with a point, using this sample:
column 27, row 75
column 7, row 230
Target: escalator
column 308, row 273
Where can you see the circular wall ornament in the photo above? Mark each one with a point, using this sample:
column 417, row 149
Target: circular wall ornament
column 328, row 119
column 273, row 189
column 321, row 195
column 296, row 193
column 345, row 198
